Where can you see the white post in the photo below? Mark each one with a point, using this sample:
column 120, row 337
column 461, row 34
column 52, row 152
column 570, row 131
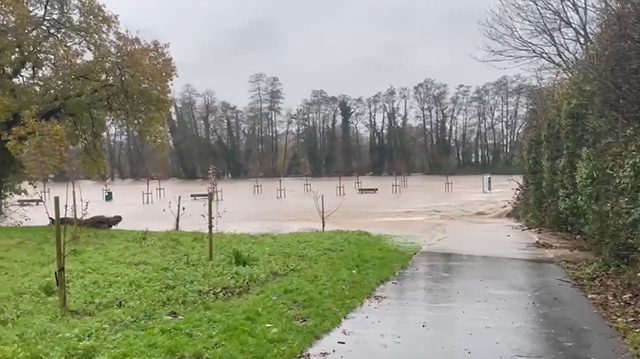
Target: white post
column 486, row 183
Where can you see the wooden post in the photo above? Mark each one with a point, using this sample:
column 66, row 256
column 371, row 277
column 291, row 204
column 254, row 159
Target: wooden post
column 147, row 196
column 257, row 187
column 448, row 185
column 323, row 221
column 307, row 184
column 281, row 192
column 73, row 188
column 210, row 211
column 60, row 273
column 395, row 187
column 340, row 187
column 160, row 189
column 178, row 216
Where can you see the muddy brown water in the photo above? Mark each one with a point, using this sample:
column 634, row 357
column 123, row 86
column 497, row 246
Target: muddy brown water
column 421, row 210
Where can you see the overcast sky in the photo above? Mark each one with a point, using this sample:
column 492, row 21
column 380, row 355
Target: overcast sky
column 353, row 47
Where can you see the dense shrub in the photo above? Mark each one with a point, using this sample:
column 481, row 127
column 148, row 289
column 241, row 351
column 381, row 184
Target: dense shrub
column 581, row 147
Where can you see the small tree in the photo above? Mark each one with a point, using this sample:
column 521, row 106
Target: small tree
column 60, row 235
column 211, row 218
column 178, row 213
column 318, row 199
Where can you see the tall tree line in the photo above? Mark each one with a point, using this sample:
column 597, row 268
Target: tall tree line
column 428, row 128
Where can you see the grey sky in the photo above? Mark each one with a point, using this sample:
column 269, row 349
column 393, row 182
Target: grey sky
column 353, row 47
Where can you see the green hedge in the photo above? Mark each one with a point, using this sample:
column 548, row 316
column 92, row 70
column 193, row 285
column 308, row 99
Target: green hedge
column 581, row 174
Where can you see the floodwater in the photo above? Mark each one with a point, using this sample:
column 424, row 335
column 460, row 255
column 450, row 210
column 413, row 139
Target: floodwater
column 422, row 209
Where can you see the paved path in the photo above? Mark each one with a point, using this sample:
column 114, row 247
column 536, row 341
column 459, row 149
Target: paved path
column 452, row 305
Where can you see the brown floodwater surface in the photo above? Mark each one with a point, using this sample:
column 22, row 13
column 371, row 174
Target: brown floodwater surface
column 423, row 211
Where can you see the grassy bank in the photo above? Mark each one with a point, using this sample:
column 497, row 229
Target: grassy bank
column 264, row 296
column 615, row 292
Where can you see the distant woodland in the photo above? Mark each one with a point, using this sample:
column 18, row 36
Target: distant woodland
column 81, row 96
column 428, row 128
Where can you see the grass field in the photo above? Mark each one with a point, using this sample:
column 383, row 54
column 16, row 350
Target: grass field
column 155, row 295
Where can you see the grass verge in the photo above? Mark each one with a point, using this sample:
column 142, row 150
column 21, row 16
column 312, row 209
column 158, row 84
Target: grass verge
column 155, row 295
column 615, row 292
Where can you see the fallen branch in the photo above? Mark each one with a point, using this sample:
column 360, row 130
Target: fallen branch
column 98, row 222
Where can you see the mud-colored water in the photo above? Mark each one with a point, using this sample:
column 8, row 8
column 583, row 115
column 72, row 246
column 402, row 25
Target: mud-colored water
column 423, row 210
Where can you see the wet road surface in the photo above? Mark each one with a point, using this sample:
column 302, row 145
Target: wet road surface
column 454, row 306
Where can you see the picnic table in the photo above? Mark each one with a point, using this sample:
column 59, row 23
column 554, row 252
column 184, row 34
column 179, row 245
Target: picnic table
column 362, row 190
column 199, row 195
column 26, row 201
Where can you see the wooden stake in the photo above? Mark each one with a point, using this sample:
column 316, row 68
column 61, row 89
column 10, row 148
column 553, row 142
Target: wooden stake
column 178, row 216
column 73, row 188
column 323, row 221
column 210, row 226
column 307, row 184
column 60, row 273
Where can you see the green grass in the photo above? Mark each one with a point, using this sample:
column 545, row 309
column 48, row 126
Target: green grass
column 266, row 296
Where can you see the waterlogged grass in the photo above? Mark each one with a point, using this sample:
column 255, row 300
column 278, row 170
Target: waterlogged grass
column 155, row 295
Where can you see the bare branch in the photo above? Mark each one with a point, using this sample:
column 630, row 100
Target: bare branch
column 336, row 209
column 316, row 196
column 552, row 34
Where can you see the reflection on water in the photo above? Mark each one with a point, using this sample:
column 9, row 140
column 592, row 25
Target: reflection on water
column 419, row 210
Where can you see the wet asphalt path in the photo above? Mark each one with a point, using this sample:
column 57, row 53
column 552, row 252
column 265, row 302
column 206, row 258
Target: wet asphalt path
column 454, row 306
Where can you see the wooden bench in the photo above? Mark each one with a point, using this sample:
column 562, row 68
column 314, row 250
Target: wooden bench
column 362, row 190
column 24, row 202
column 199, row 195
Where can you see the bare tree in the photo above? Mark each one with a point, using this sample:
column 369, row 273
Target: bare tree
column 258, row 93
column 552, row 34
column 275, row 99
column 318, row 199
column 290, row 119
column 359, row 108
column 178, row 213
column 206, row 109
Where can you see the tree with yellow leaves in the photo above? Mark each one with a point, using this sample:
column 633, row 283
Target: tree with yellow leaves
column 67, row 72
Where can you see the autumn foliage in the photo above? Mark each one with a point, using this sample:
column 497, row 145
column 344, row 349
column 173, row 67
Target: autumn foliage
column 67, row 73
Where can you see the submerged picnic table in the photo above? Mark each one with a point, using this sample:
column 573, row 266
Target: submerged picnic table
column 27, row 201
column 199, row 195
column 367, row 190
